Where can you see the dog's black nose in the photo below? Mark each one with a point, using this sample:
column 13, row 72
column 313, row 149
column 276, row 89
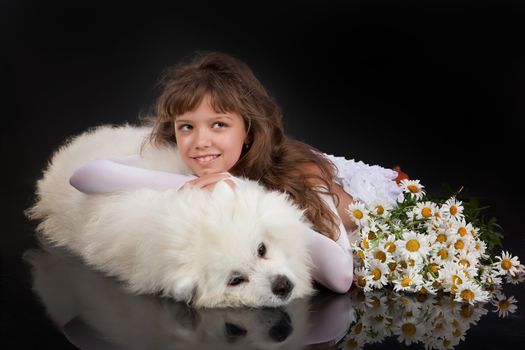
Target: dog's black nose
column 282, row 286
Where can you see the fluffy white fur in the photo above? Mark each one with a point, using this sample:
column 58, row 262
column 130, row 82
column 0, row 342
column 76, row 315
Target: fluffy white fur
column 186, row 244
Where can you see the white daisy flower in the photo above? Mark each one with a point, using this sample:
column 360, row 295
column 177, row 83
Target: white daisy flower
column 442, row 236
column 443, row 253
column 377, row 274
column 507, row 264
column 462, row 227
column 414, row 245
column 452, row 276
column 504, row 305
column 466, row 259
column 470, row 292
column 360, row 277
column 453, row 208
column 424, row 210
column 412, row 187
column 379, row 209
column 409, row 280
column 358, row 213
column 490, row 276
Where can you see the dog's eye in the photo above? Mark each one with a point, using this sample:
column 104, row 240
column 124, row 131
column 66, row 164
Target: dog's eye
column 236, row 280
column 261, row 250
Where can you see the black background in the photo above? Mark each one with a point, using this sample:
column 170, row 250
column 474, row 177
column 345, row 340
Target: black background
column 437, row 87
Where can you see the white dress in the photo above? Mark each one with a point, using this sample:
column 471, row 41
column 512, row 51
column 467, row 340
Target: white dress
column 370, row 184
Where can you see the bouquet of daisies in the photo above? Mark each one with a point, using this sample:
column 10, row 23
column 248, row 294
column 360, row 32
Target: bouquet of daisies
column 425, row 245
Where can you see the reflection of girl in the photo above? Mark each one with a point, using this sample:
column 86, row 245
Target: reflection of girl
column 227, row 127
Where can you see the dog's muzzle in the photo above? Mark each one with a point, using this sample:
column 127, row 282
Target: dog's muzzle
column 282, row 286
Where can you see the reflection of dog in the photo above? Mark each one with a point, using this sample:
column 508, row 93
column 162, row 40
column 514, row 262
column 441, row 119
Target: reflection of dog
column 224, row 248
column 94, row 312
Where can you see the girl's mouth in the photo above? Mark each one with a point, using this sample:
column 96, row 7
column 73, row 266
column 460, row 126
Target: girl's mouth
column 206, row 159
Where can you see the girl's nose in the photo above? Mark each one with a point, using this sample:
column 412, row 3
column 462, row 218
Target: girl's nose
column 203, row 138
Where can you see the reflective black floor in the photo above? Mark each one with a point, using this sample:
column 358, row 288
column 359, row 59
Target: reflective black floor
column 51, row 298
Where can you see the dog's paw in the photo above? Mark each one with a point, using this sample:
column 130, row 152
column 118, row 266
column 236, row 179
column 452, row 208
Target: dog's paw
column 185, row 290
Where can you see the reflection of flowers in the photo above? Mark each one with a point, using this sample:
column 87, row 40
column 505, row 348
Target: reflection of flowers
column 435, row 321
column 428, row 246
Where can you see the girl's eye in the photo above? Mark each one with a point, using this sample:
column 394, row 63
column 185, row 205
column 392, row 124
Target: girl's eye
column 220, row 124
column 185, row 127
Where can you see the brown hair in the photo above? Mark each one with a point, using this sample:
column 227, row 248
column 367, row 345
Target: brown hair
column 272, row 158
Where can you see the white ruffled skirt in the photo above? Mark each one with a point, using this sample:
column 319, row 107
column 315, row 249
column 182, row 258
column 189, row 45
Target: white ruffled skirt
column 370, row 184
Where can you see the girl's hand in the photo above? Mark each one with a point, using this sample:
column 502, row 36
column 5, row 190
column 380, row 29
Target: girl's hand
column 208, row 181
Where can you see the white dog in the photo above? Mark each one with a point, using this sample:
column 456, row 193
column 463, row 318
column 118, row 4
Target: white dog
column 242, row 247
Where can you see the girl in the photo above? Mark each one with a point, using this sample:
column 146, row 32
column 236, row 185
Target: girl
column 227, row 127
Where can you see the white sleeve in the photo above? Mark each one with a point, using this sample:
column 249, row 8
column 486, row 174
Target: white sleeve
column 332, row 260
column 118, row 174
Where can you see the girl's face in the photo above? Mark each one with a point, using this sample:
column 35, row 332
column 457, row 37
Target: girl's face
column 209, row 142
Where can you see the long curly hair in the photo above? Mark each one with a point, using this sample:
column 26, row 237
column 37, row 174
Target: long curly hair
column 273, row 159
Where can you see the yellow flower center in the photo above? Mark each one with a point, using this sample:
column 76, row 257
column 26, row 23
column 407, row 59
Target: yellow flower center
column 392, row 266
column 504, row 304
column 413, row 188
column 506, row 264
column 380, row 209
column 453, row 210
column 380, row 255
column 377, row 274
column 408, row 329
column 361, row 281
column 361, row 254
column 365, row 244
column 459, row 244
column 426, row 212
column 433, row 267
column 443, row 253
column 403, row 264
column 446, row 343
column 390, row 247
column 457, row 333
column 405, row 282
column 411, row 262
column 467, row 295
column 441, row 238
column 456, row 279
column 358, row 214
column 464, row 262
column 462, row 231
column 412, row 245
column 371, row 235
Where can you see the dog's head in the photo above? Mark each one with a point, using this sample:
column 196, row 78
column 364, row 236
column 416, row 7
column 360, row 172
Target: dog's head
column 247, row 250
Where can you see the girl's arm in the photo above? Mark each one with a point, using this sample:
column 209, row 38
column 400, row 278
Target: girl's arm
column 332, row 260
column 117, row 174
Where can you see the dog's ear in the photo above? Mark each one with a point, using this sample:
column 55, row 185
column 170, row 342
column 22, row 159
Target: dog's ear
column 223, row 190
column 185, row 290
